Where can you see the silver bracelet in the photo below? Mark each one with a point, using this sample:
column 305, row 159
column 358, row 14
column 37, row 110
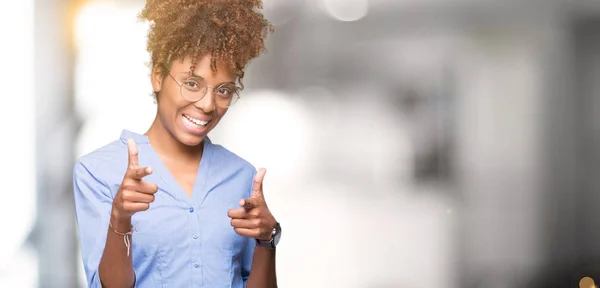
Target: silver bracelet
column 125, row 238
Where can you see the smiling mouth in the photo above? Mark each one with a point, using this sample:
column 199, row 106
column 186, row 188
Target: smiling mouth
column 195, row 122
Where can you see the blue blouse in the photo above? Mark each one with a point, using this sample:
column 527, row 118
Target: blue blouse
column 180, row 241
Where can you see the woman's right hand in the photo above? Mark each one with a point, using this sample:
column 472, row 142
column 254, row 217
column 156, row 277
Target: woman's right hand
column 134, row 194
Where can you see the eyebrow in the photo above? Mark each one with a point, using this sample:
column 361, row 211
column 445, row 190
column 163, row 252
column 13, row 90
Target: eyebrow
column 198, row 76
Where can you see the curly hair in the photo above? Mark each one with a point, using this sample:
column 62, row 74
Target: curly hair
column 232, row 31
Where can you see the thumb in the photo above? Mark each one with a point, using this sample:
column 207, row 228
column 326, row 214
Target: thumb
column 257, row 188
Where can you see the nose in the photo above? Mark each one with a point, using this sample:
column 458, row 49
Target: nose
column 207, row 103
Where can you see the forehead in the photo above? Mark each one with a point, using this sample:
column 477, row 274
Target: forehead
column 224, row 73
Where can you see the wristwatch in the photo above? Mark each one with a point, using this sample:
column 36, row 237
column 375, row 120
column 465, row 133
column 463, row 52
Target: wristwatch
column 275, row 236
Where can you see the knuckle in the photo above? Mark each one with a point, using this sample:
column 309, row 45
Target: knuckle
column 257, row 222
column 132, row 160
column 126, row 194
column 126, row 206
column 128, row 185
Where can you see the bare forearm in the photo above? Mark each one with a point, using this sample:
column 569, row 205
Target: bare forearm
column 116, row 268
column 262, row 273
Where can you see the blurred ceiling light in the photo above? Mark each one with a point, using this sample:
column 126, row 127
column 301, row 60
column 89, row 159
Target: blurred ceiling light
column 347, row 10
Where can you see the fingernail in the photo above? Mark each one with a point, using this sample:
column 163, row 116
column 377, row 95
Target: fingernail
column 149, row 170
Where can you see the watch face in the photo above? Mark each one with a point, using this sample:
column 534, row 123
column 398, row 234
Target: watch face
column 276, row 235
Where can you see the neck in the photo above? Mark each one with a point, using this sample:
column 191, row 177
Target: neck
column 165, row 143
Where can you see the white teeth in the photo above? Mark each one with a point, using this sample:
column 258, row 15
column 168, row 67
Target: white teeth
column 195, row 121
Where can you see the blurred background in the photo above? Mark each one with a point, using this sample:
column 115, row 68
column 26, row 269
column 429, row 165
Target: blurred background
column 409, row 143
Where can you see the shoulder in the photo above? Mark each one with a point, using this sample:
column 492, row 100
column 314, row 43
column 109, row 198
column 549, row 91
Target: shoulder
column 228, row 164
column 232, row 173
column 105, row 164
column 104, row 156
column 224, row 156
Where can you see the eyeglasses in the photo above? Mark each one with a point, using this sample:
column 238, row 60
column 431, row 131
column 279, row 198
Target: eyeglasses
column 194, row 89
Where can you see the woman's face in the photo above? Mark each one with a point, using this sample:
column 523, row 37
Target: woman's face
column 190, row 122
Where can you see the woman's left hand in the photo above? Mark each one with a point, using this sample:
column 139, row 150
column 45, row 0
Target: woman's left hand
column 254, row 219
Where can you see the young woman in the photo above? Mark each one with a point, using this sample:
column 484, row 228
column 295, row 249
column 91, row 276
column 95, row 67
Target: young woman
column 169, row 208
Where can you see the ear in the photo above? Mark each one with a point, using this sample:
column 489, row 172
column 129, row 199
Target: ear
column 157, row 79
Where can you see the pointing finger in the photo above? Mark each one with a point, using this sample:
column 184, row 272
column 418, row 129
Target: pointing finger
column 133, row 153
column 250, row 203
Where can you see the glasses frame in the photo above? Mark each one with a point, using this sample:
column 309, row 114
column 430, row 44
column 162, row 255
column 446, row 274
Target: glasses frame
column 234, row 99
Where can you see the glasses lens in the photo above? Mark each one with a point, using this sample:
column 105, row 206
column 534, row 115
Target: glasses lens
column 226, row 95
column 193, row 90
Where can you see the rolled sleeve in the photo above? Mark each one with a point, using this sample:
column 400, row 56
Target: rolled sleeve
column 92, row 207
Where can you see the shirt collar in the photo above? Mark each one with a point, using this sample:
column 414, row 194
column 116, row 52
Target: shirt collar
column 138, row 138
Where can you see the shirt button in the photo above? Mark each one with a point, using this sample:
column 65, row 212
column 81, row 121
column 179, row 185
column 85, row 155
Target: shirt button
column 192, row 210
column 195, row 236
column 196, row 265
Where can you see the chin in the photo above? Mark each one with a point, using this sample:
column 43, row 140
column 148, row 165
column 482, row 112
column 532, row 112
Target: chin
column 189, row 139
